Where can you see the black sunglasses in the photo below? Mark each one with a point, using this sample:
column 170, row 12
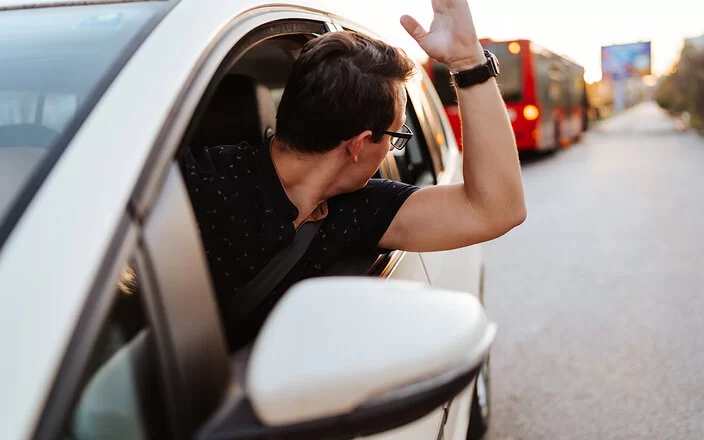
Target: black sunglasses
column 400, row 139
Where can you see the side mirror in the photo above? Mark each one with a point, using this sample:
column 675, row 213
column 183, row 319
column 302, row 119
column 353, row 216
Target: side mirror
column 345, row 357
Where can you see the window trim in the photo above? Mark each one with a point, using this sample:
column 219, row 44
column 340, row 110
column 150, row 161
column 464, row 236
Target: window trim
column 72, row 376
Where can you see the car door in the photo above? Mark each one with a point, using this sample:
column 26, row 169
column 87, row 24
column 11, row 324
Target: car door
column 147, row 359
column 154, row 367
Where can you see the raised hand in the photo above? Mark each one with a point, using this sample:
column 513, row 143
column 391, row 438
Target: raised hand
column 452, row 38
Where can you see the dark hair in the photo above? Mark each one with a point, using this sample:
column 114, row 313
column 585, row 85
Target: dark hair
column 341, row 84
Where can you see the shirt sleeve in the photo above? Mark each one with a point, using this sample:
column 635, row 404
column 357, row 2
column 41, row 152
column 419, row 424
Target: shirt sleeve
column 373, row 209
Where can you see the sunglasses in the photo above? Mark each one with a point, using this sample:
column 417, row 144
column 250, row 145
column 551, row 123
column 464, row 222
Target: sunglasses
column 400, row 139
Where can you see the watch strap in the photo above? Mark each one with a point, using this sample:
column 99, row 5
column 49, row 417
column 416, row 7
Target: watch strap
column 477, row 75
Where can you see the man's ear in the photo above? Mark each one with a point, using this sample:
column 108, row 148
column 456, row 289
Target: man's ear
column 355, row 144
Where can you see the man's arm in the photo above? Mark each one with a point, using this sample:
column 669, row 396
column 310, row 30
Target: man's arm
column 490, row 202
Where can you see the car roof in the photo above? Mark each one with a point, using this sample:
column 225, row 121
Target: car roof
column 33, row 4
column 331, row 9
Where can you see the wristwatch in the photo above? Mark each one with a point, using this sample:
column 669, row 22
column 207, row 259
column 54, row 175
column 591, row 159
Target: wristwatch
column 479, row 74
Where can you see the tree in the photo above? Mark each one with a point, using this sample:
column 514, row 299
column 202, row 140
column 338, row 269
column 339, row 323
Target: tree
column 683, row 90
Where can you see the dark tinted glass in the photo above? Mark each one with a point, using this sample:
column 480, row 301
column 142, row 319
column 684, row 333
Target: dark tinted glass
column 413, row 162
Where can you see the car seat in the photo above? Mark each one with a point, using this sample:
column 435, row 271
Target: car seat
column 241, row 109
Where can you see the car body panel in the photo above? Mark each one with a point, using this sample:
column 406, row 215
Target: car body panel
column 104, row 170
column 423, row 428
column 75, row 214
column 409, row 267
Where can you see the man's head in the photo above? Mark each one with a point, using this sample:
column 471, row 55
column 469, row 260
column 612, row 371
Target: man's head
column 343, row 87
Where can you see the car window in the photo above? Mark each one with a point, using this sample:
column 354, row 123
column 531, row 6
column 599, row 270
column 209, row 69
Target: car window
column 55, row 62
column 432, row 122
column 50, row 110
column 413, row 162
column 121, row 397
column 434, row 111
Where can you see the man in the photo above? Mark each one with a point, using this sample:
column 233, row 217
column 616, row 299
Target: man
column 342, row 110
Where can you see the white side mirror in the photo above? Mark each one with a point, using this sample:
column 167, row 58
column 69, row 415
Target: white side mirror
column 361, row 348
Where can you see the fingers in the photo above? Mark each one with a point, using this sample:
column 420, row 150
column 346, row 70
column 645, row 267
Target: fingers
column 413, row 27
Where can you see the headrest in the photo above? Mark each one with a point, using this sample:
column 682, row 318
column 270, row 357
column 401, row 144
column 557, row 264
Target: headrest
column 240, row 110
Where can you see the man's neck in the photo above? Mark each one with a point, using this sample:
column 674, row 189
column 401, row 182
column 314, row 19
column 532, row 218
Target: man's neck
column 307, row 178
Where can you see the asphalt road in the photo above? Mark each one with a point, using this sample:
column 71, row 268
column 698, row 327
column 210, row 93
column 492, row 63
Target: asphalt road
column 599, row 295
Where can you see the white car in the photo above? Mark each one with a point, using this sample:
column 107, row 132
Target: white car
column 108, row 321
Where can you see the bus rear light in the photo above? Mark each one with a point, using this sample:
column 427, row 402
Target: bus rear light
column 531, row 112
column 514, row 47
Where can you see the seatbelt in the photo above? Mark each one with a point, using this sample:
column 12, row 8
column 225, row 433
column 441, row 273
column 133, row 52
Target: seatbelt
column 256, row 291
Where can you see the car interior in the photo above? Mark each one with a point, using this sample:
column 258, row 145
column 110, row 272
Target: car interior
column 414, row 162
column 248, row 94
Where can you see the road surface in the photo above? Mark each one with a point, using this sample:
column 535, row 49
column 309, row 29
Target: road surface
column 599, row 295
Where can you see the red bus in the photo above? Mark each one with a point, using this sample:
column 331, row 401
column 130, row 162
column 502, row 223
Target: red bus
column 545, row 94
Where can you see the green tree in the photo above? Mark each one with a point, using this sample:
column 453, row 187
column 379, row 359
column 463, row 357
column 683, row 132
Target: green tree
column 683, row 90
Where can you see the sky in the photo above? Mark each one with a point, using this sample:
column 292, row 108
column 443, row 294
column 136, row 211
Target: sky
column 575, row 29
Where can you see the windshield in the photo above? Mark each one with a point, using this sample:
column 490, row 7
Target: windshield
column 510, row 80
column 54, row 64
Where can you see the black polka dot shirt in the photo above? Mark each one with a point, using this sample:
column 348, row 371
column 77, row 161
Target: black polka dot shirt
column 245, row 218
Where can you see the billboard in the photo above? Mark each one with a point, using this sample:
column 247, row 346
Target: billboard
column 625, row 60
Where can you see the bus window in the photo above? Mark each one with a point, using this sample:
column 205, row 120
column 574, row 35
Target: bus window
column 511, row 78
